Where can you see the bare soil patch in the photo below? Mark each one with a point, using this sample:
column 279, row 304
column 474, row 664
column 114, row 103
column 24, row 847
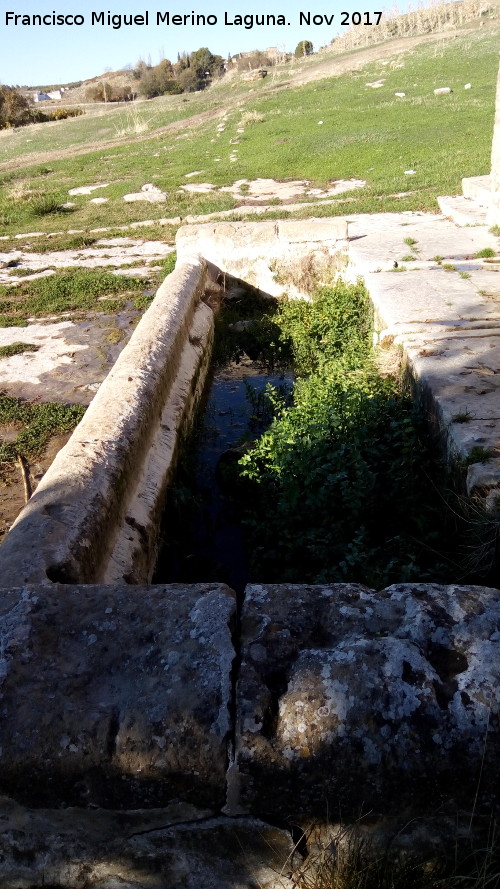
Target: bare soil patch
column 12, row 486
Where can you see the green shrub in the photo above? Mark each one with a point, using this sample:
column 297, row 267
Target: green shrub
column 63, row 113
column 485, row 253
column 337, row 488
column 336, row 325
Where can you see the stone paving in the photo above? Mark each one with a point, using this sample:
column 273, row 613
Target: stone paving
column 438, row 299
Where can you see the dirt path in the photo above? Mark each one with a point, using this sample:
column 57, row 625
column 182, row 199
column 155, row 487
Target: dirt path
column 334, row 66
column 41, row 157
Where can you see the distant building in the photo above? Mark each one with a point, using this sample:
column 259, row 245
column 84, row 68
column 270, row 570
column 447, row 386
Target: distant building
column 51, row 96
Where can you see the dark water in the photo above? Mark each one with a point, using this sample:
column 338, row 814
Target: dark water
column 203, row 537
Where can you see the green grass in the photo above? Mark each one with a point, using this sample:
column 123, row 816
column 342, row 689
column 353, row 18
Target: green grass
column 70, row 290
column 80, row 241
column 366, row 133
column 25, row 273
column 17, row 349
column 485, row 253
column 37, row 424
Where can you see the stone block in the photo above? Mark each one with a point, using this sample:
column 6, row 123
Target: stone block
column 477, row 189
column 352, row 700
column 157, row 849
column 462, row 211
column 313, row 230
column 115, row 696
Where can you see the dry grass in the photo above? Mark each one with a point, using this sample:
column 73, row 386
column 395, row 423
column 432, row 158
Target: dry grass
column 133, row 125
column 428, row 19
column 349, row 857
column 251, row 117
column 20, row 190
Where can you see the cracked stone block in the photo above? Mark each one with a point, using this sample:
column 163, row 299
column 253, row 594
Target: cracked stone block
column 115, row 696
column 352, row 700
column 158, row 849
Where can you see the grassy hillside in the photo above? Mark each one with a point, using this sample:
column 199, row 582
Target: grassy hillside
column 326, row 129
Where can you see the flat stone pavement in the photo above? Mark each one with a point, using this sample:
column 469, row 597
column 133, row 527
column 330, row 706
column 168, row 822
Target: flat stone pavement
column 440, row 301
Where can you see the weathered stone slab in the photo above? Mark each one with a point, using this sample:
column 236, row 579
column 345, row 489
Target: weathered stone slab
column 377, row 240
column 252, row 251
column 350, row 699
column 115, row 696
column 462, row 210
column 311, row 230
column 477, row 189
column 160, row 849
column 430, row 297
column 445, row 316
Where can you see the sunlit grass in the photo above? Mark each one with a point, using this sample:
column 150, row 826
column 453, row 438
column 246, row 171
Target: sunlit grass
column 365, row 133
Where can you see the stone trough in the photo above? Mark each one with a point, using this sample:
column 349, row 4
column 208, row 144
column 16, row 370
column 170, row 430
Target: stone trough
column 175, row 714
column 94, row 517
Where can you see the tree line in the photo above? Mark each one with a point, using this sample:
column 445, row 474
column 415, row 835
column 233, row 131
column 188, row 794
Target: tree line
column 191, row 72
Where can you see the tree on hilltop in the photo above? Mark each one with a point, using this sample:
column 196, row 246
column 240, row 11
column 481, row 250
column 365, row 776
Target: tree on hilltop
column 304, row 48
column 205, row 63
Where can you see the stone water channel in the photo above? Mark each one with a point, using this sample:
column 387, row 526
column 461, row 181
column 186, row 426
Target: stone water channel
column 205, row 540
column 154, row 734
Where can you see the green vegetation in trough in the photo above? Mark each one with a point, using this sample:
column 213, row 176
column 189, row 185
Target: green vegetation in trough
column 343, row 486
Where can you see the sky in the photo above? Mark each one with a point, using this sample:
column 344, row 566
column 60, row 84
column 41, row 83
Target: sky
column 33, row 54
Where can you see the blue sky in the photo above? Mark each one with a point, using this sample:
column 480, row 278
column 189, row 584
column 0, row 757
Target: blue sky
column 33, row 54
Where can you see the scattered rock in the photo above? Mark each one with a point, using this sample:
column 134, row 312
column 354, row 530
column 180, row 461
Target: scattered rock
column 148, row 192
column 98, row 200
column 87, row 189
column 198, row 187
column 442, row 91
column 269, row 189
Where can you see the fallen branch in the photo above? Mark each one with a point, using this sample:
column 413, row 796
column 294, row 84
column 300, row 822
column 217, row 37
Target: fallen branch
column 23, row 466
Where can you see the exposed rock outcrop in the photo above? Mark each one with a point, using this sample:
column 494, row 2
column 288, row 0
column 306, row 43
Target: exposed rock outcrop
column 115, row 696
column 350, row 699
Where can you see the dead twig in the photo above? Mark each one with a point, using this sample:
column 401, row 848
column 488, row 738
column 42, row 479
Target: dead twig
column 23, row 466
